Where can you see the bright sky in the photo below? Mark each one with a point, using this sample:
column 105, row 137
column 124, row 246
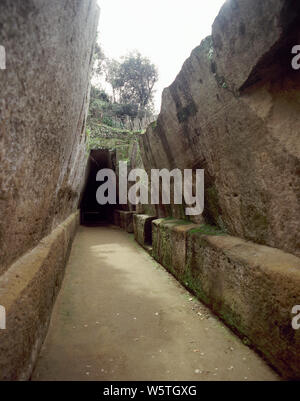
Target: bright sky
column 166, row 31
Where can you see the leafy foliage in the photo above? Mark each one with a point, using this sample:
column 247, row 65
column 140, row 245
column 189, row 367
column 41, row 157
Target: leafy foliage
column 132, row 82
column 136, row 77
column 99, row 60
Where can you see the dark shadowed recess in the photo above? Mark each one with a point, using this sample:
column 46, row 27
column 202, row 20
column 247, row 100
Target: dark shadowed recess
column 91, row 213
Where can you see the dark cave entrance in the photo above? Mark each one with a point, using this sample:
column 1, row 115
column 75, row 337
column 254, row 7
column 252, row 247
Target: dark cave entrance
column 91, row 213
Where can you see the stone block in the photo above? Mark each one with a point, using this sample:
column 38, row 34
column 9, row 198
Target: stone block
column 252, row 287
column 117, row 219
column 142, row 225
column 126, row 221
column 28, row 291
column 169, row 243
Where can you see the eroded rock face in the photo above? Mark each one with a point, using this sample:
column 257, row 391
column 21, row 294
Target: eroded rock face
column 234, row 111
column 142, row 227
column 28, row 290
column 43, row 102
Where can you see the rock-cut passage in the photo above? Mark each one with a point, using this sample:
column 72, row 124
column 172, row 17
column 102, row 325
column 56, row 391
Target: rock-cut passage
column 91, row 213
column 121, row 316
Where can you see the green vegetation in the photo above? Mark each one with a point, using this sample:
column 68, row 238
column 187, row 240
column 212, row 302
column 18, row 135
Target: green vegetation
column 104, row 111
column 246, row 341
column 132, row 80
column 178, row 222
column 112, row 119
column 153, row 124
column 213, row 208
column 194, row 285
column 207, row 230
column 213, row 200
column 101, row 136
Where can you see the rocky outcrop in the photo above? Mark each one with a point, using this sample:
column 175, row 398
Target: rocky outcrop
column 234, row 111
column 44, row 95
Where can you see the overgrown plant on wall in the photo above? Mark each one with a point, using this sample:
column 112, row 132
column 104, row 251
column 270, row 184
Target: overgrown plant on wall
column 129, row 105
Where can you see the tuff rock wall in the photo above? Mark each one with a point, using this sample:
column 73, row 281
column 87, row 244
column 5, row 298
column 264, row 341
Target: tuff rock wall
column 234, row 111
column 44, row 98
column 44, row 95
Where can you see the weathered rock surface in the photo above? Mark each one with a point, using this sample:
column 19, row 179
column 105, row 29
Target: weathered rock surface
column 44, row 95
column 28, row 290
column 253, row 288
column 234, row 111
column 126, row 220
column 43, row 102
column 142, row 227
column 116, row 218
column 169, row 243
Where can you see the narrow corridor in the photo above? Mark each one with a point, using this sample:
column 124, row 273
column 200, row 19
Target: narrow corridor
column 121, row 316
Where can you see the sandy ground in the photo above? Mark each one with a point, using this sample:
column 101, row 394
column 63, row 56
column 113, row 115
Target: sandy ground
column 121, row 316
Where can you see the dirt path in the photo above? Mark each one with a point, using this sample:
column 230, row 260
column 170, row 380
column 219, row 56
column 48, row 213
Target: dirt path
column 121, row 316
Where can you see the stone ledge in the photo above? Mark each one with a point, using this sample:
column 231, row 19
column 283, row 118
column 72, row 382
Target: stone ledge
column 126, row 221
column 169, row 242
column 117, row 217
column 253, row 288
column 28, row 291
column 142, row 226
